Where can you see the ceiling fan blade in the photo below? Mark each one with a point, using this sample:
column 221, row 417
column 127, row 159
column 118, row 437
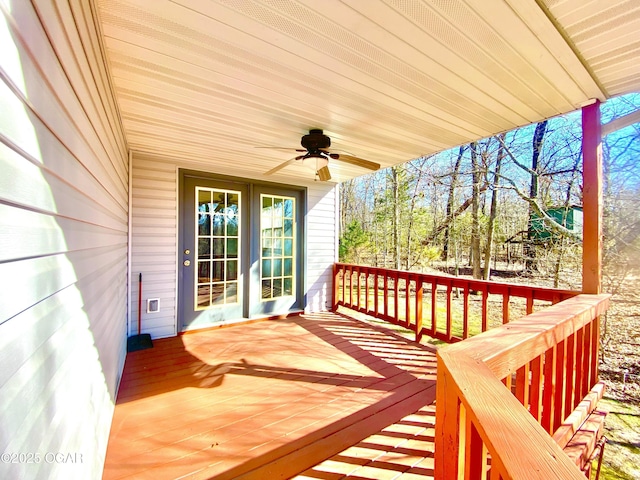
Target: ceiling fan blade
column 281, row 166
column 285, row 149
column 358, row 162
column 324, row 174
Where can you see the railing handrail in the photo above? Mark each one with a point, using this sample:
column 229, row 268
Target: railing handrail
column 508, row 347
column 519, row 446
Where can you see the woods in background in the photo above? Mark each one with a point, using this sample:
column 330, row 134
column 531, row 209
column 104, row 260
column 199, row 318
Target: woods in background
column 511, row 202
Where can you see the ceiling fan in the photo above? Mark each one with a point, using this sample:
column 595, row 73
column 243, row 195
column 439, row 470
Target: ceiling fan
column 315, row 146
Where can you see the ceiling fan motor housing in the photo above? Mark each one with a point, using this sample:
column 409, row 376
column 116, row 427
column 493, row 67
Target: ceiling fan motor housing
column 315, row 140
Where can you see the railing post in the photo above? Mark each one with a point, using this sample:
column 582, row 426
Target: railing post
column 447, row 434
column 592, row 198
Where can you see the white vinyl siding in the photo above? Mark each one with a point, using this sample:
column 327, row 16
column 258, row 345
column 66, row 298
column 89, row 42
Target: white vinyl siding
column 63, row 240
column 322, row 250
column 154, row 243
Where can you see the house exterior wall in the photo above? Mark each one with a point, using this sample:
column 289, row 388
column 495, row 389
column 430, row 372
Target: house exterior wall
column 154, row 239
column 63, row 243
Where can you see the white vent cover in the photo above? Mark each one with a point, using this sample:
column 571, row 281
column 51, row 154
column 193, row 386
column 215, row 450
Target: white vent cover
column 153, row 305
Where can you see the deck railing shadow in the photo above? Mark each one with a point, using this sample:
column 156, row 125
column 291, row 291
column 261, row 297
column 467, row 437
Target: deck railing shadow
column 397, row 374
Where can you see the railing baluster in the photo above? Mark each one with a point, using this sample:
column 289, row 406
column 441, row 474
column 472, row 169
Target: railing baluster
column 570, row 374
column 396, row 296
column 587, row 359
column 535, row 395
column 344, row 285
column 595, row 351
column 334, row 299
column 449, row 315
column 558, row 401
column 350, row 270
column 505, row 306
column 522, row 385
column 485, row 308
column 529, row 302
column 358, row 288
column 419, row 293
column 465, row 311
column 434, row 308
column 579, row 365
column 385, row 286
column 376, row 294
column 366, row 290
column 548, row 396
column 475, row 453
column 407, row 301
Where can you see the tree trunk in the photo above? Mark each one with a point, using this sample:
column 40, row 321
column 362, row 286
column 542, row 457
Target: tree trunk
column 475, row 217
column 450, row 202
column 395, row 187
column 493, row 211
column 538, row 140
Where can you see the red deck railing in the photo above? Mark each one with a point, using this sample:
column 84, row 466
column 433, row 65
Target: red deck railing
column 508, row 399
column 424, row 303
column 485, row 425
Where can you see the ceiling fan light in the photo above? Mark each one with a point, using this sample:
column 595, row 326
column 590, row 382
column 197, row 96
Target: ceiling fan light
column 323, row 173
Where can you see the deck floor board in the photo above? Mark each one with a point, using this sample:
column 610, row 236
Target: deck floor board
column 315, row 396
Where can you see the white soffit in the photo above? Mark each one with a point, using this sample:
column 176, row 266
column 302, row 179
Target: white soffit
column 606, row 34
column 388, row 81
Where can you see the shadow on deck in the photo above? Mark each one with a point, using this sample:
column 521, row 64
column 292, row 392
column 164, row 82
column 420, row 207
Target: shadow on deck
column 318, row 396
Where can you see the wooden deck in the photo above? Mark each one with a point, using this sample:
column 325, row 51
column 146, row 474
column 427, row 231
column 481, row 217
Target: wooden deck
column 311, row 397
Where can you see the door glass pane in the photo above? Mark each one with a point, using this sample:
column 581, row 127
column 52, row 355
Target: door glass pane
column 278, row 236
column 218, row 247
column 203, row 298
column 204, row 223
column 231, row 293
column 232, row 270
column 288, row 247
column 204, row 248
column 288, row 286
column 266, row 289
column 218, row 224
column 288, row 267
column 217, row 294
column 217, row 239
column 204, row 272
column 232, row 248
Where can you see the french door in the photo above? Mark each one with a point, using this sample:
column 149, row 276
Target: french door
column 240, row 251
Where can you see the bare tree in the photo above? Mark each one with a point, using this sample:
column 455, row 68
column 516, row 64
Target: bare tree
column 475, row 211
column 493, row 209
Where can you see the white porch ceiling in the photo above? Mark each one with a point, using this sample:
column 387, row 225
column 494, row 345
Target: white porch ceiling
column 387, row 80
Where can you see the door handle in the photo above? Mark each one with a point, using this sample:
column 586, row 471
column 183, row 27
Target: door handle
column 186, row 263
